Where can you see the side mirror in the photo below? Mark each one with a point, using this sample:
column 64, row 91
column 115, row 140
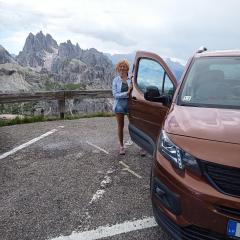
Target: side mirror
column 152, row 94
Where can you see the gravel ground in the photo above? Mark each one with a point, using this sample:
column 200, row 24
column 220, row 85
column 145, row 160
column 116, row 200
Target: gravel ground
column 50, row 188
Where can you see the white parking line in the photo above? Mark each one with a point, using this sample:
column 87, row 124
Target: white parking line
column 107, row 180
column 99, row 148
column 99, row 193
column 106, row 231
column 127, row 168
column 26, row 144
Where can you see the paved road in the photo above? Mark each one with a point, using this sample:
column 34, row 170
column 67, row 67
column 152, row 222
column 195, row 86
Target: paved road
column 72, row 179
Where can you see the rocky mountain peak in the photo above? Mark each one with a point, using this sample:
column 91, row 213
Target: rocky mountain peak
column 40, row 42
column 35, row 49
column 176, row 67
column 30, row 35
column 40, row 35
column 50, row 41
column 68, row 51
column 5, row 56
column 93, row 57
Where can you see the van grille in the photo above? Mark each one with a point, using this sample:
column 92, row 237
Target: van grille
column 229, row 211
column 225, row 179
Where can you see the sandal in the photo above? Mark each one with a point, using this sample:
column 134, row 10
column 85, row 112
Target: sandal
column 142, row 153
column 122, row 151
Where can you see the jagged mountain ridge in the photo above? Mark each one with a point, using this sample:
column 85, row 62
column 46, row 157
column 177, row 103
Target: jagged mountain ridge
column 36, row 49
column 5, row 56
column 16, row 78
column 68, row 62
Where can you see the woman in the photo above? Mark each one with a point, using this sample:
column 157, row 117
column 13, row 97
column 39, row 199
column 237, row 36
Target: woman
column 121, row 89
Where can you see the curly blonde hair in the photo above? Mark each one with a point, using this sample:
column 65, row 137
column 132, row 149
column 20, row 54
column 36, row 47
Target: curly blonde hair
column 122, row 63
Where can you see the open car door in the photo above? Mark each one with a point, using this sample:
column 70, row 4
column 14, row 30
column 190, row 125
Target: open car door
column 153, row 88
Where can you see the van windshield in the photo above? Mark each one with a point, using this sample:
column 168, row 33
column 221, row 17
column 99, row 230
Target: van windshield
column 212, row 82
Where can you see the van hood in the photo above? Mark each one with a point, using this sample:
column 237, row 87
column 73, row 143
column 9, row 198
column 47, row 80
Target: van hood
column 215, row 124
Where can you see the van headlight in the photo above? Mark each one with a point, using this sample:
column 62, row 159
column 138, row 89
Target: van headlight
column 176, row 155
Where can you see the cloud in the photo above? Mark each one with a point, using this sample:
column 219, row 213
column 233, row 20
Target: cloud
column 14, row 17
column 168, row 27
column 110, row 35
column 11, row 20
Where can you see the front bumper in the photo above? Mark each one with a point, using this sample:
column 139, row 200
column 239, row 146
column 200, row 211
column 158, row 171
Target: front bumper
column 184, row 212
column 186, row 233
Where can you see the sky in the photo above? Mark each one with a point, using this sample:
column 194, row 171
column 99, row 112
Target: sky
column 172, row 28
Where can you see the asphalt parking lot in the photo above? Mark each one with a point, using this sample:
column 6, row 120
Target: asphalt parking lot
column 65, row 180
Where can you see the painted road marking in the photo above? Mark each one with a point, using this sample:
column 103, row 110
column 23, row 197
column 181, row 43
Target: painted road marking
column 99, row 148
column 99, row 193
column 107, row 180
column 127, row 168
column 27, row 144
column 108, row 231
column 128, row 143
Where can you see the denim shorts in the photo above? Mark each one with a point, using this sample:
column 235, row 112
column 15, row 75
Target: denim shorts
column 121, row 106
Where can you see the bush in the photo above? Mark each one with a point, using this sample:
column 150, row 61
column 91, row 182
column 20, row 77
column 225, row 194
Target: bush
column 73, row 86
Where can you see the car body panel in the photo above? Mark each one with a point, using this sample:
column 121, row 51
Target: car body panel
column 216, row 124
column 146, row 115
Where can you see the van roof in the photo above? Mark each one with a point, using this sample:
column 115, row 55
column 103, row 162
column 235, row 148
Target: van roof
column 222, row 53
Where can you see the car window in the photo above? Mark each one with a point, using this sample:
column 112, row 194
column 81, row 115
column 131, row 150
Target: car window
column 231, row 71
column 168, row 86
column 150, row 73
column 213, row 81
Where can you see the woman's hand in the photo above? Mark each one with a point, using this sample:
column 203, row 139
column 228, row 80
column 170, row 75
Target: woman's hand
column 129, row 89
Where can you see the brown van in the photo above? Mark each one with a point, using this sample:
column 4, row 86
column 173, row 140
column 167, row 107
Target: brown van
column 192, row 129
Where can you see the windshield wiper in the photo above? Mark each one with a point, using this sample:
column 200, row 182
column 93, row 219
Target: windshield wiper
column 192, row 104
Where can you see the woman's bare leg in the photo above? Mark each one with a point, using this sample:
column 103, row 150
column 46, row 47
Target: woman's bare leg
column 120, row 122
